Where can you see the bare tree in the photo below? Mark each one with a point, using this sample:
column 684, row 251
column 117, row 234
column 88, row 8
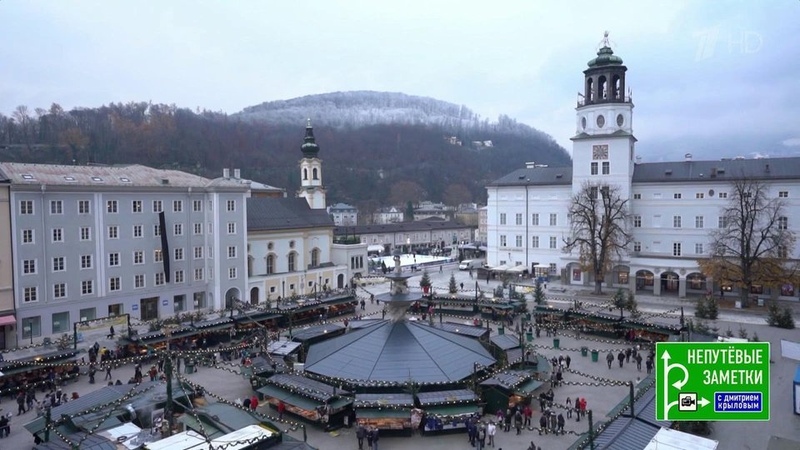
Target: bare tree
column 752, row 244
column 599, row 229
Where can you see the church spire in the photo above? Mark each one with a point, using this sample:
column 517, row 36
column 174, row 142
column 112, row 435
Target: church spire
column 309, row 147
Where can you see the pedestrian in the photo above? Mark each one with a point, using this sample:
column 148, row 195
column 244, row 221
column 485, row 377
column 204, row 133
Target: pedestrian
column 462, row 286
column 375, row 438
column 639, row 363
column 583, row 406
column 508, row 418
column 518, row 422
column 108, row 372
column 528, row 413
column 440, row 268
column 253, row 402
column 567, row 360
column 649, row 365
column 363, row 307
column 628, row 352
column 542, row 424
column 621, row 358
column 609, row 359
column 560, row 424
column 560, row 360
column 153, row 372
column 5, row 428
column 491, row 430
column 21, row 403
column 361, row 432
column 281, row 409
column 369, row 438
column 110, row 333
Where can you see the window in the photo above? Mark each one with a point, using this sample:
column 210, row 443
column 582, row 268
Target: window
column 232, row 273
column 676, row 195
column 210, row 228
column 111, row 206
column 637, row 221
column 27, row 236
column 594, row 168
column 699, row 221
column 160, row 279
column 535, row 242
column 604, row 191
column 31, row 294
column 137, row 231
column 59, row 290
column 198, row 228
column 723, row 195
column 231, row 227
column 502, row 218
column 179, row 276
column 58, row 264
column 676, row 221
column 292, row 259
column 783, row 194
column 136, row 206
column 553, row 242
column 114, row 284
column 314, row 257
column 86, row 261
column 26, row 207
column 518, row 219
column 58, row 235
column 637, row 246
column 553, row 219
column 231, row 205
column 138, row 257
column 177, row 206
column 29, row 266
column 31, row 327
column 86, row 234
column 657, row 221
column 637, row 196
column 198, row 274
column 158, row 255
column 113, row 232
column 56, row 207
column 61, row 323
column 197, row 205
column 723, row 222
column 606, row 167
column 232, row 251
column 535, row 219
column 87, row 287
column 198, row 253
column 502, row 240
column 783, row 223
column 179, row 302
column 270, row 264
column 698, row 248
column 676, row 249
column 178, row 229
column 113, row 259
column 138, row 281
column 83, row 206
column 157, row 206
column 518, row 241
column 178, row 254
column 156, row 230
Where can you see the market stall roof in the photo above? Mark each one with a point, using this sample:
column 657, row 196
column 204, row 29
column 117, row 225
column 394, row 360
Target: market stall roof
column 311, row 388
column 363, row 323
column 625, row 433
column 505, row 341
column 13, row 366
column 508, row 380
column 528, row 387
column 282, row 347
column 517, row 269
column 382, row 400
column 462, row 329
column 668, row 438
column 222, row 322
column 87, row 442
column 396, row 352
column 444, row 397
column 452, row 410
column 316, row 331
column 500, row 268
column 288, row 397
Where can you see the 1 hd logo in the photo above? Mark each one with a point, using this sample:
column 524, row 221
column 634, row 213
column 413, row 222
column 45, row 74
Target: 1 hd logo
column 712, row 380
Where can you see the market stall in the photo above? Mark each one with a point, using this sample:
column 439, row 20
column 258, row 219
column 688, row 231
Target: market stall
column 312, row 400
column 508, row 389
column 445, row 411
column 385, row 411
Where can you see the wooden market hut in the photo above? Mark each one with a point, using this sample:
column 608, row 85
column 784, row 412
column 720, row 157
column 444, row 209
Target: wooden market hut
column 447, row 411
column 311, row 400
column 508, row 388
column 386, row 411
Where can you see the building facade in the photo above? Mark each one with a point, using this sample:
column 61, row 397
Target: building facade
column 410, row 236
column 8, row 320
column 673, row 205
column 93, row 241
column 343, row 214
column 387, row 215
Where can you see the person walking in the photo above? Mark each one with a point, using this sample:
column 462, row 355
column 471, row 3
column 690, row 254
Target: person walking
column 639, row 363
column 491, row 430
column 282, row 408
column 361, row 432
column 528, row 413
column 518, row 422
column 621, row 359
column 561, row 421
column 369, row 438
column 508, row 418
column 108, row 372
column 21, row 403
column 649, row 365
column 628, row 352
column 375, row 438
column 609, row 359
column 481, row 437
column 542, row 424
column 567, row 360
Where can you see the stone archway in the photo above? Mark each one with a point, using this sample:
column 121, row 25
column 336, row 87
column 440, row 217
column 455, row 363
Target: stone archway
column 254, row 296
column 645, row 280
column 696, row 283
column 231, row 296
column 670, row 283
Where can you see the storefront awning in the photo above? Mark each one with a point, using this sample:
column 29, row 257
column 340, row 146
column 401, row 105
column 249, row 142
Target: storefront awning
column 8, row 320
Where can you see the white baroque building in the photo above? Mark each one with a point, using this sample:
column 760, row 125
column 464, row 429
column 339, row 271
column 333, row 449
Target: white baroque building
column 674, row 205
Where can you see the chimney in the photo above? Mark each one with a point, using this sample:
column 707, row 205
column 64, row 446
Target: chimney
column 638, row 159
column 226, row 173
column 530, row 164
column 687, row 157
column 237, row 173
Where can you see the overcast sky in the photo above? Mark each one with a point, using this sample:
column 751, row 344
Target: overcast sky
column 714, row 78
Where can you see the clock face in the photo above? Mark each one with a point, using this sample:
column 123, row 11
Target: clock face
column 601, row 121
column 583, row 123
column 600, row 152
column 620, row 120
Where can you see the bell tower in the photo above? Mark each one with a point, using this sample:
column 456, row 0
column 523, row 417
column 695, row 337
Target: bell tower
column 311, row 171
column 603, row 146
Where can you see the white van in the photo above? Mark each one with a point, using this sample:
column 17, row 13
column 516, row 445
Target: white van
column 469, row 264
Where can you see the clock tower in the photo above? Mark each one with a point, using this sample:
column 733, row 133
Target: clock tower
column 311, row 171
column 603, row 146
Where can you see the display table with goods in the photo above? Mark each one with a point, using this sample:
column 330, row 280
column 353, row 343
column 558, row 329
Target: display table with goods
column 445, row 411
column 312, row 400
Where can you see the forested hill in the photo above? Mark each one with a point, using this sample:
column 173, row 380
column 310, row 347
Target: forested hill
column 368, row 163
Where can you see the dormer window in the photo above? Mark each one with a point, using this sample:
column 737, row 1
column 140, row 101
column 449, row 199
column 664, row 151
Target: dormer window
column 69, row 178
column 125, row 180
column 27, row 176
column 97, row 179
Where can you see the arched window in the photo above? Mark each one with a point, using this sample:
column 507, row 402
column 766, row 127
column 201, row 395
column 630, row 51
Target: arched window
column 617, row 83
column 315, row 253
column 315, row 175
column 292, row 258
column 590, row 89
column 602, row 88
column 270, row 264
column 305, row 174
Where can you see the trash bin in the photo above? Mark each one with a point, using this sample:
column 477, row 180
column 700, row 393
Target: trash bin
column 529, row 336
column 501, row 330
column 189, row 367
column 584, row 351
column 556, row 342
column 595, row 355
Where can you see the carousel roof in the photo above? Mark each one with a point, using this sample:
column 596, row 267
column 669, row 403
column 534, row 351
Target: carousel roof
column 398, row 352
